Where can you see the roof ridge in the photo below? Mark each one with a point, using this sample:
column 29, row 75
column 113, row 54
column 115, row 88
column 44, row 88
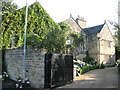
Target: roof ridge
column 95, row 26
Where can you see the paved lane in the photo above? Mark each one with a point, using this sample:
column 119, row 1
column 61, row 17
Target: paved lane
column 99, row 78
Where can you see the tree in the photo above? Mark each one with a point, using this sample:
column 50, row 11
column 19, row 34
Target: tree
column 118, row 35
column 117, row 39
column 8, row 6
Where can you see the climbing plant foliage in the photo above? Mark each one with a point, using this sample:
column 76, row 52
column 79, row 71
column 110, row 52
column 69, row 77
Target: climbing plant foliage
column 78, row 38
column 42, row 31
column 117, row 27
column 8, row 6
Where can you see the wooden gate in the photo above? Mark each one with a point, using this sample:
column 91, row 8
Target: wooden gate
column 58, row 69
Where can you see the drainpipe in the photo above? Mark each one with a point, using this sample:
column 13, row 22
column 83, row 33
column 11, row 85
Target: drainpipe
column 24, row 57
column 99, row 48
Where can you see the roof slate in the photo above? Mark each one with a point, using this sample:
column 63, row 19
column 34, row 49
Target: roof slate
column 93, row 30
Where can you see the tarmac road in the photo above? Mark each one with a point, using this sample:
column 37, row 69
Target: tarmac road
column 99, row 78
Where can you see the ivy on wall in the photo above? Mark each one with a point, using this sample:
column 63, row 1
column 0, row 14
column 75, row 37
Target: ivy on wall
column 78, row 38
column 42, row 31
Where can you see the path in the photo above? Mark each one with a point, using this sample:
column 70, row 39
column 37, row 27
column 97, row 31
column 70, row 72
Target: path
column 99, row 78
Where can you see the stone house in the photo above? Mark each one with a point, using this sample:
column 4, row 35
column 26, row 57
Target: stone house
column 76, row 27
column 98, row 40
column 100, row 43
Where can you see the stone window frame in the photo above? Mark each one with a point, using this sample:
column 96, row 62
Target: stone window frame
column 82, row 47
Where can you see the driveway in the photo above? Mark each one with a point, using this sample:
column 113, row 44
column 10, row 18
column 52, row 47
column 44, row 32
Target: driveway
column 99, row 78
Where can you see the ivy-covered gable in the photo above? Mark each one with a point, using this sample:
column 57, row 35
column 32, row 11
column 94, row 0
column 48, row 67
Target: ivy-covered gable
column 42, row 31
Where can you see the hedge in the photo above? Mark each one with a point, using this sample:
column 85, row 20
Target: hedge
column 118, row 66
column 88, row 68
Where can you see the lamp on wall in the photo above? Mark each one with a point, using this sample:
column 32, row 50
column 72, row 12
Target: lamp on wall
column 68, row 42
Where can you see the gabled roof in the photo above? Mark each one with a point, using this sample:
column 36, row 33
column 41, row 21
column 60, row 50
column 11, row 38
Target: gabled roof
column 93, row 30
column 73, row 25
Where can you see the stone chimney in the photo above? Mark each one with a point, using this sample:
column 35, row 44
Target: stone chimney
column 81, row 21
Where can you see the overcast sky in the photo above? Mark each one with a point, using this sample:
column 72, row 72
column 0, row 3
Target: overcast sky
column 93, row 11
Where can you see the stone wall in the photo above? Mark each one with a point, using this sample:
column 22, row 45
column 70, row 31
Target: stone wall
column 107, row 46
column 34, row 64
column 73, row 26
column 92, row 46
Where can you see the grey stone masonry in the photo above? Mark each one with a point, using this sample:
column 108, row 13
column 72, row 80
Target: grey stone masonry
column 34, row 64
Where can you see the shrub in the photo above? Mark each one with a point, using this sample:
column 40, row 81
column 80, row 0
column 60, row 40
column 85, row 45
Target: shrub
column 118, row 66
column 76, row 63
column 19, row 83
column 88, row 68
column 94, row 67
column 84, row 70
column 89, row 59
column 83, row 67
column 5, row 76
column 81, row 64
column 101, row 66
